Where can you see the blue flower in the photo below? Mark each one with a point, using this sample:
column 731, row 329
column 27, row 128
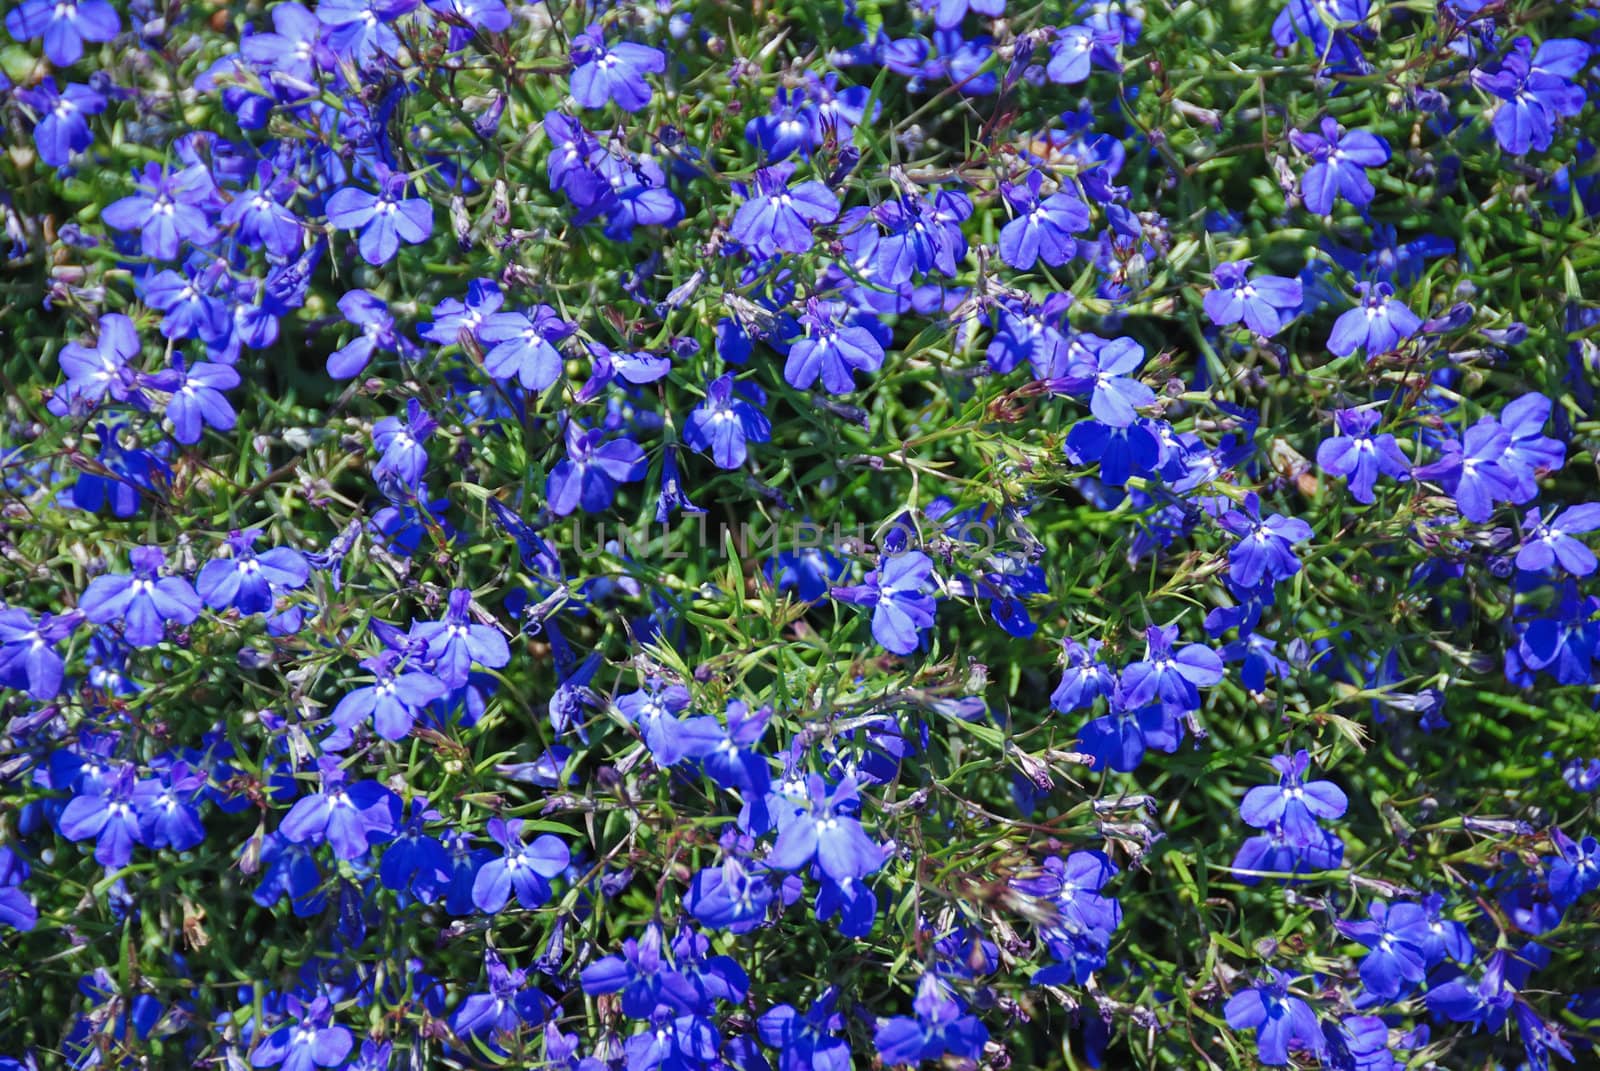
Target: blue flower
column 836, row 344
column 898, row 592
column 310, row 1042
column 1120, row 738
column 588, row 476
column 523, row 869
column 1265, row 548
column 1469, row 470
column 260, row 220
column 404, row 457
column 384, row 219
column 826, row 831
column 776, row 218
column 1536, row 91
column 1361, row 456
column 1264, row 303
column 95, row 372
column 1553, row 542
column 810, row 571
column 790, row 126
column 1174, row 676
column 63, row 119
column 1339, row 165
column 1084, row 677
column 392, row 701
column 509, row 1004
column 197, row 398
column 1102, row 367
column 1121, row 452
column 723, row 424
column 1394, row 936
column 1042, row 227
column 16, row 909
column 454, row 319
column 64, row 26
column 370, row 313
column 29, row 660
column 170, row 209
column 248, row 582
column 144, row 601
column 455, row 642
column 1379, row 324
column 416, row 860
column 732, row 896
column 1293, row 803
column 941, row 1027
column 347, row 816
column 523, row 347
column 602, row 72
column 106, row 812
column 807, row 1041
column 1281, row 1020
column 1576, row 870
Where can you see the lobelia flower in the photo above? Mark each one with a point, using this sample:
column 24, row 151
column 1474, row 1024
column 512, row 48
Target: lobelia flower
column 1281, row 1020
column 62, row 128
column 291, row 57
column 1575, row 871
column 144, row 601
column 1535, row 90
column 824, row 832
column 1072, row 50
column 1042, row 227
column 383, row 219
column 588, row 476
column 836, row 344
column 1264, row 303
column 1359, row 455
column 776, row 218
column 359, row 30
column 1485, row 1004
column 197, row 398
column 65, row 25
column 723, row 424
column 170, row 209
column 369, row 312
column 1394, row 936
column 1469, row 470
column 1276, row 852
column 464, row 16
column 1378, row 325
column 807, row 1041
column 192, row 311
column 809, row 571
column 602, row 72
column 947, row 14
column 522, row 869
column 523, row 347
column 1529, row 453
column 1119, row 738
column 29, row 661
column 392, row 701
column 248, row 582
column 454, row 319
column 1339, row 168
column 310, row 1042
column 169, row 808
column 1293, row 803
column 1102, row 368
column 16, row 909
column 1121, row 452
column 454, row 643
column 347, row 816
column 404, row 458
column 1084, row 678
column 898, row 592
column 941, row 1027
column 509, row 1005
column 1174, row 676
column 94, row 373
column 1555, row 542
column 789, row 127
column 259, row 218
column 1265, row 547
column 107, row 813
